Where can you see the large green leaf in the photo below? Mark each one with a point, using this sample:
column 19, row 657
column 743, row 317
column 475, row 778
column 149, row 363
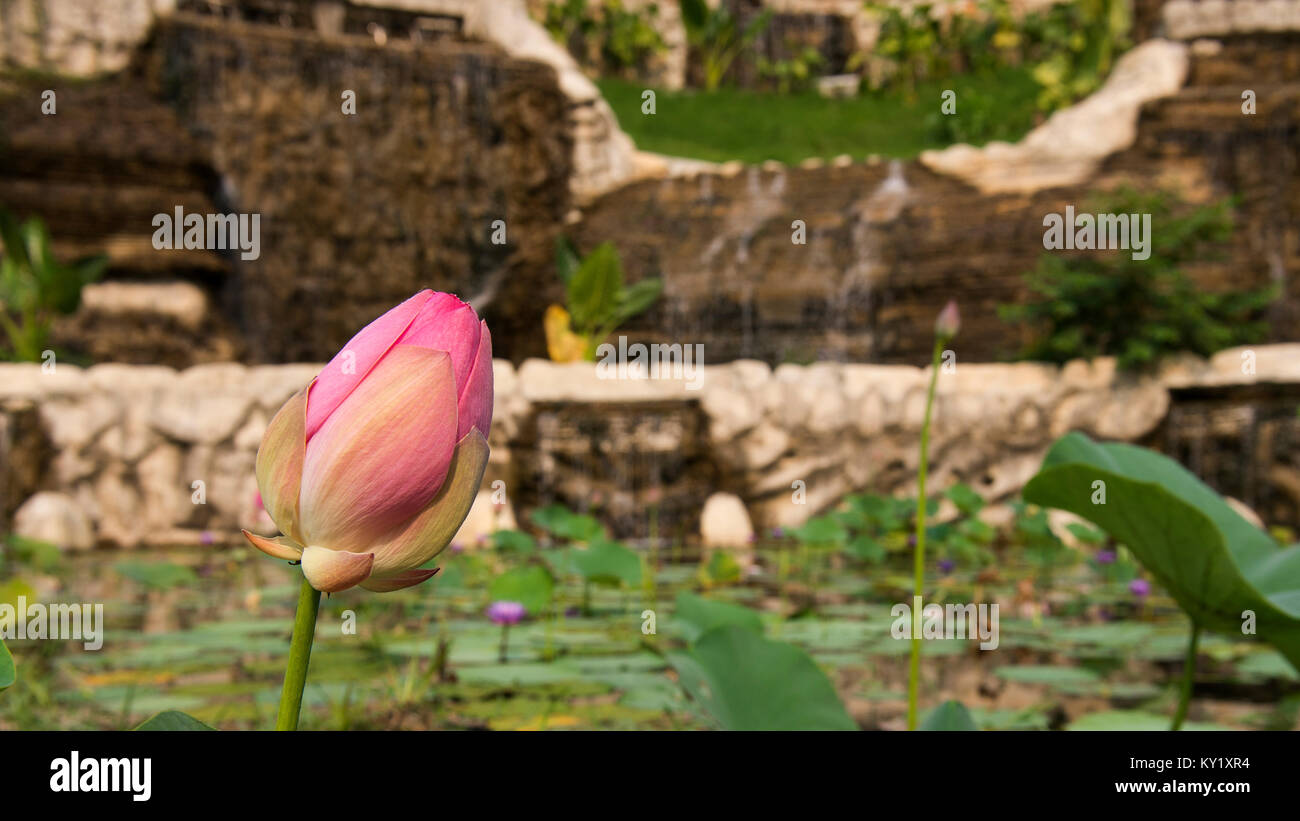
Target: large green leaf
column 531, row 586
column 748, row 682
column 173, row 721
column 951, row 716
column 8, row 674
column 594, row 288
column 607, row 562
column 1213, row 562
column 693, row 616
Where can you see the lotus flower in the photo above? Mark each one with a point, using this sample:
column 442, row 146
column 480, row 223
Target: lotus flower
column 370, row 470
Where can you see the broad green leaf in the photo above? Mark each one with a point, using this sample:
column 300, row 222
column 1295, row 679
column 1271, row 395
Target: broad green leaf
column 1211, row 560
column 748, row 682
column 966, row 499
column 606, row 562
column 566, row 259
column 516, row 541
column 8, row 673
column 173, row 721
column 822, row 530
column 158, row 575
column 531, row 586
column 693, row 616
column 637, row 298
column 951, row 716
column 1132, row 720
column 563, row 523
column 593, row 291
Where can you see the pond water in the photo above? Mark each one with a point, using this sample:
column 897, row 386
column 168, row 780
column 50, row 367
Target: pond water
column 207, row 632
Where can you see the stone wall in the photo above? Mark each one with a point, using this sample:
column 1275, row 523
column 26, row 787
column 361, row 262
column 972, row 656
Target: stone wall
column 357, row 211
column 888, row 243
column 111, row 454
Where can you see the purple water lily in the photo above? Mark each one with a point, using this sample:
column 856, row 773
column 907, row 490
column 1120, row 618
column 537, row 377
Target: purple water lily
column 1105, row 557
column 1139, row 587
column 946, row 566
column 505, row 612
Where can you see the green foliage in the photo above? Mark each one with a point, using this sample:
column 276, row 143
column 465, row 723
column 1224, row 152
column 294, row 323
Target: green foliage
column 35, row 287
column 1213, row 562
column 1095, row 304
column 172, row 721
column 721, row 568
column 1070, row 46
column 606, row 36
column 563, row 523
column 531, row 585
column 597, row 301
column 8, row 673
column 717, row 38
column 693, row 616
column 156, row 575
column 748, row 682
column 606, row 562
column 794, row 74
column 951, row 716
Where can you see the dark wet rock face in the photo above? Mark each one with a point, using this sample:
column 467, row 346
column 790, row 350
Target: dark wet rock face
column 356, row 212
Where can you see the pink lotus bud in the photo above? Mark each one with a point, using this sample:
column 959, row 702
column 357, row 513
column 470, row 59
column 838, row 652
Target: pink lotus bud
column 949, row 321
column 370, row 470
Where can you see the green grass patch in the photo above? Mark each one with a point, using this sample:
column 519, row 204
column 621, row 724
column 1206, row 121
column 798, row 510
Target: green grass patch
column 752, row 126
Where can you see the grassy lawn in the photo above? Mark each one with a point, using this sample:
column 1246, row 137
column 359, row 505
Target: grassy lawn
column 735, row 124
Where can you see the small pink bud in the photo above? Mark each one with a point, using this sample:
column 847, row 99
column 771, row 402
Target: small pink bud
column 949, row 321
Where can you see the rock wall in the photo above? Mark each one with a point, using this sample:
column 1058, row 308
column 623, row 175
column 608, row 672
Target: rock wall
column 124, row 455
column 888, row 243
column 357, row 211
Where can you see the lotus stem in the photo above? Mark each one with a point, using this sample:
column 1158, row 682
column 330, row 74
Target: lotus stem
column 1189, row 673
column 914, row 668
column 295, row 675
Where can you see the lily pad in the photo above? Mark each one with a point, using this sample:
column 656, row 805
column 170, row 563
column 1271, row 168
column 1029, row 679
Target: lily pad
column 173, row 721
column 951, row 716
column 1215, row 564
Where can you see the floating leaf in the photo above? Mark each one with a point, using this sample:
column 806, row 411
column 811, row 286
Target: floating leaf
column 748, row 682
column 531, row 586
column 606, row 562
column 951, row 716
column 1213, row 562
column 173, row 721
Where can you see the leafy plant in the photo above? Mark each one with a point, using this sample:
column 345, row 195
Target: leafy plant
column 793, row 74
column 1093, row 305
column 597, row 301
column 8, row 673
column 172, row 721
column 1217, row 566
column 35, row 287
column 531, row 585
column 693, row 616
column 606, row 35
column 717, row 37
column 748, row 682
column 951, row 716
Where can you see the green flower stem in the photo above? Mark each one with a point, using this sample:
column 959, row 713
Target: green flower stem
column 914, row 669
column 295, row 675
column 1189, row 673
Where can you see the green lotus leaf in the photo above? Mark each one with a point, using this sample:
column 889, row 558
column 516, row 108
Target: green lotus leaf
column 748, row 682
column 1216, row 565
